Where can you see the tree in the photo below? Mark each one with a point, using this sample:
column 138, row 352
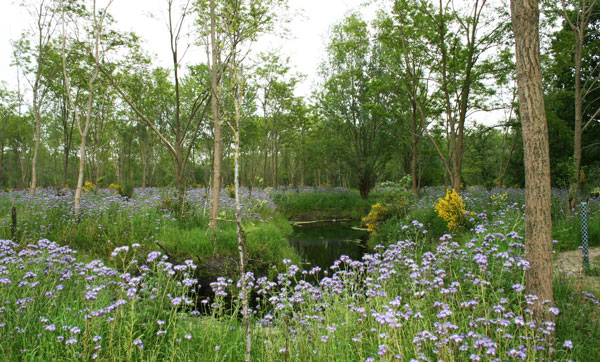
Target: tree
column 91, row 45
column 460, row 77
column 216, row 72
column 353, row 103
column 538, row 221
column 231, row 25
column 577, row 15
column 183, row 127
column 9, row 127
column 240, row 23
column 276, row 101
column 444, row 66
column 43, row 13
column 409, row 61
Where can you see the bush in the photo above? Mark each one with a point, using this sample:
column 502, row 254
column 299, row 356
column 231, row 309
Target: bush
column 452, row 209
column 396, row 203
column 88, row 186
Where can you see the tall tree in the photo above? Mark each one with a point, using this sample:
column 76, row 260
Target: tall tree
column 577, row 15
column 410, row 62
column 8, row 130
column 538, row 221
column 353, row 103
column 93, row 46
column 276, row 99
column 183, row 126
column 43, row 14
column 462, row 68
column 233, row 25
column 215, row 77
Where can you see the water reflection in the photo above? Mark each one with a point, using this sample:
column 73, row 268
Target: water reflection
column 320, row 244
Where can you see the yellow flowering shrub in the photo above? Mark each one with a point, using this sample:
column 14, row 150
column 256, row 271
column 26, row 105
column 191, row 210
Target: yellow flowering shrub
column 379, row 213
column 88, row 186
column 452, row 210
column 118, row 189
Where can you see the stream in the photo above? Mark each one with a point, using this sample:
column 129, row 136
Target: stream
column 322, row 243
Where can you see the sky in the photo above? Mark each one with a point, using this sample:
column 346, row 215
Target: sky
column 309, row 27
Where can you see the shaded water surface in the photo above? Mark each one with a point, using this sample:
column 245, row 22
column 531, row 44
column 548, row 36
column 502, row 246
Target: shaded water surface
column 322, row 243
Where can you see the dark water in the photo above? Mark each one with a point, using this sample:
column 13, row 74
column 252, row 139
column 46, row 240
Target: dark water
column 320, row 244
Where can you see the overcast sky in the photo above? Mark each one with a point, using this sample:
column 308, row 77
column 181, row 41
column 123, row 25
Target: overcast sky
column 305, row 48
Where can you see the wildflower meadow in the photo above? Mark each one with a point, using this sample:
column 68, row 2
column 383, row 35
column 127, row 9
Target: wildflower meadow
column 430, row 289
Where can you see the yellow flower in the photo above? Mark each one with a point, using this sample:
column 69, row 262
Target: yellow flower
column 377, row 214
column 452, row 210
column 88, row 186
column 117, row 188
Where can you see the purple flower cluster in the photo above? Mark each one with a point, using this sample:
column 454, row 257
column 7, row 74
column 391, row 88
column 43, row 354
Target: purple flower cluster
column 52, row 299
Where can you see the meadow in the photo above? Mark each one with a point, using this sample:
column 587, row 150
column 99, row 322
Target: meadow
column 121, row 282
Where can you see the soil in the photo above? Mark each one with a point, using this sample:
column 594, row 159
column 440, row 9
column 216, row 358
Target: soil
column 569, row 264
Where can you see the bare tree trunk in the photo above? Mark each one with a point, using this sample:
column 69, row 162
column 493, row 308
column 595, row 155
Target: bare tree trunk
column 538, row 222
column 241, row 234
column 44, row 19
column 83, row 130
column 584, row 11
column 79, row 187
column 36, row 148
column 414, row 148
column 214, row 103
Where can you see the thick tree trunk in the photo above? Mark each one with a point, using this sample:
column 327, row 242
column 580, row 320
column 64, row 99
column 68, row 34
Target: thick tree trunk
column 538, row 222
column 364, row 184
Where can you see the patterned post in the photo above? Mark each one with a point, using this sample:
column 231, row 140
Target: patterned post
column 584, row 235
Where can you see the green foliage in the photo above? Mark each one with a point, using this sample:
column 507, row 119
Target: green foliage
column 268, row 246
column 396, row 203
column 578, row 320
column 477, row 285
column 358, row 120
column 230, row 191
column 566, row 230
column 318, row 205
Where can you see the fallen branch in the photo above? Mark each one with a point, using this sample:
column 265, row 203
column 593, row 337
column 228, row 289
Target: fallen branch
column 297, row 223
